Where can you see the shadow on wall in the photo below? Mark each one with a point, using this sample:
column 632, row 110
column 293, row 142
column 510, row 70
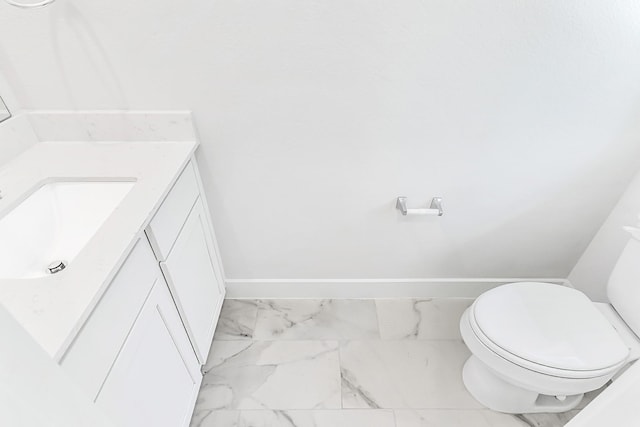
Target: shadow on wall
column 94, row 53
column 11, row 87
column 75, row 49
column 482, row 250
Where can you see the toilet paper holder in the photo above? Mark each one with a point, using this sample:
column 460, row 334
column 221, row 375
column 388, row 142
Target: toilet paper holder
column 434, row 209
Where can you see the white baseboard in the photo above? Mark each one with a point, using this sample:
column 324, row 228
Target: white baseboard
column 367, row 288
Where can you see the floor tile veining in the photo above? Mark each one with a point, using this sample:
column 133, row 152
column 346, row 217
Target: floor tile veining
column 237, row 320
column 272, row 375
column 351, row 363
column 308, row 319
column 404, row 374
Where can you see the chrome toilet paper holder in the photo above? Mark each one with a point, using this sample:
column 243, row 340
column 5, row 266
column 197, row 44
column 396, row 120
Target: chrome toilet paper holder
column 434, row 209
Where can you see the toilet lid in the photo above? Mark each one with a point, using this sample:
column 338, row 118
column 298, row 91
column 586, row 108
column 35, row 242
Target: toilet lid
column 549, row 325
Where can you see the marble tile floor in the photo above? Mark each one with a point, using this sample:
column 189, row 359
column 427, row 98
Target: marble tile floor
column 344, row 363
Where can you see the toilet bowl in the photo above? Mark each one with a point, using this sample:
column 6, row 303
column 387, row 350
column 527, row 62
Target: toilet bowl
column 538, row 347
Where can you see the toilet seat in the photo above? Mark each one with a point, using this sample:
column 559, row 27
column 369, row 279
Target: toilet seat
column 549, row 329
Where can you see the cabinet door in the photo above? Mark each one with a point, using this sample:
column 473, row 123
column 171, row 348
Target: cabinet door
column 95, row 349
column 156, row 377
column 195, row 282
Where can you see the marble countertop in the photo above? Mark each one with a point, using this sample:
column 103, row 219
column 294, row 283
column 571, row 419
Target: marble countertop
column 53, row 308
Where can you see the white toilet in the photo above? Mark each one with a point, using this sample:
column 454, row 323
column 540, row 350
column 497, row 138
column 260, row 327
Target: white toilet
column 538, row 347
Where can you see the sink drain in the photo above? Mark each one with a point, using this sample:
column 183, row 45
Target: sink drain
column 56, row 266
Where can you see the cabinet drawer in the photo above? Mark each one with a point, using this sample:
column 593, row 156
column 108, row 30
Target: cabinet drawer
column 96, row 347
column 167, row 222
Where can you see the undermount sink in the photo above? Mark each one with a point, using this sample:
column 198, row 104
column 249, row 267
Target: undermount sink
column 45, row 232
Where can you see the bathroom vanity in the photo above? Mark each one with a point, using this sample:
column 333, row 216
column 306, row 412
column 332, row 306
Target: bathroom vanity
column 132, row 316
column 139, row 353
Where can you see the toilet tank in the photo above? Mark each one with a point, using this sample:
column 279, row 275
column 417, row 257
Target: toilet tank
column 623, row 288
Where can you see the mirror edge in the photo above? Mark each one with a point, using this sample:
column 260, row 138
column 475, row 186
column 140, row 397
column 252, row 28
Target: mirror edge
column 3, row 105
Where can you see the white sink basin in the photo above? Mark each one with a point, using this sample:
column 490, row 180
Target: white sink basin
column 54, row 223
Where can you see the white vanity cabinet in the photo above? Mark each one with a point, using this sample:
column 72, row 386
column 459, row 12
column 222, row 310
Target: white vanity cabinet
column 139, row 354
column 133, row 355
column 183, row 241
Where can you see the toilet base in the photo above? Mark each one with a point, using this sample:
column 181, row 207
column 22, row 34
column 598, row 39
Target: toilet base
column 499, row 395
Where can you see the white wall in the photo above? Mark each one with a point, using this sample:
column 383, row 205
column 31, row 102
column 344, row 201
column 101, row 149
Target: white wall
column 314, row 115
column 592, row 270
